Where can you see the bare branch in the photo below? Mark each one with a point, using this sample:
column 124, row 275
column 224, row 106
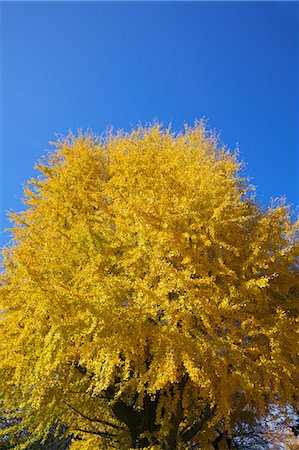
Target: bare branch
column 192, row 431
column 98, row 433
column 103, row 422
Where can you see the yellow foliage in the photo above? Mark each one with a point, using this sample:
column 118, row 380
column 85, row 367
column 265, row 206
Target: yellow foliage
column 142, row 260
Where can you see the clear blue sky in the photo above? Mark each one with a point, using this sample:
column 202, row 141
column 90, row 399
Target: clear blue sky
column 89, row 65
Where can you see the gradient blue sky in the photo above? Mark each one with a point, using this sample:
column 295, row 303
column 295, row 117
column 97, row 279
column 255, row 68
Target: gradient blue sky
column 89, row 65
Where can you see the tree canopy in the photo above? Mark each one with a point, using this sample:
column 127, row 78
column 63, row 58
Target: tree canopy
column 148, row 300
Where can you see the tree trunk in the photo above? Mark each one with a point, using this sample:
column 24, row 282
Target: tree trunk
column 170, row 442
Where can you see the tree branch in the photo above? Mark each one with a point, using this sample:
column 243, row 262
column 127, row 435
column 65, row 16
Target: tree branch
column 192, row 431
column 98, row 433
column 103, row 422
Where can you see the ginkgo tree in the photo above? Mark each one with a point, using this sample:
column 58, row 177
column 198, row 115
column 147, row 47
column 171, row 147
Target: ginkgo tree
column 147, row 299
